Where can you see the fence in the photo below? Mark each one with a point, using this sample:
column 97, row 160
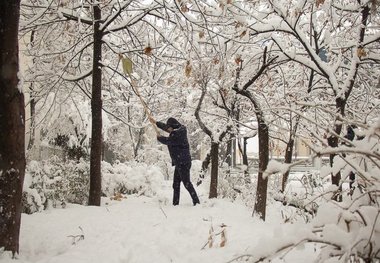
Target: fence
column 305, row 166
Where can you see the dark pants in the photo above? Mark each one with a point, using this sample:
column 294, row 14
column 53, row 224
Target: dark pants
column 182, row 174
column 352, row 180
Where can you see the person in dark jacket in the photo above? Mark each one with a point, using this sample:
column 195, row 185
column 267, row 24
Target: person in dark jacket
column 179, row 151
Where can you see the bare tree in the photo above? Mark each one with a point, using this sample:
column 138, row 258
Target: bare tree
column 76, row 70
column 96, row 109
column 216, row 139
column 263, row 132
column 341, row 81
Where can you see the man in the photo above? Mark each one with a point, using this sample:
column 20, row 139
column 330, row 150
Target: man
column 179, row 151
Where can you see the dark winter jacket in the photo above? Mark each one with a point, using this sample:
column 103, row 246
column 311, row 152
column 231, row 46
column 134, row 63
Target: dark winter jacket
column 177, row 142
column 350, row 133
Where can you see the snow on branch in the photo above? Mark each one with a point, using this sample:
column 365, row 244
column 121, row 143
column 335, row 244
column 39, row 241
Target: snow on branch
column 71, row 15
column 78, row 77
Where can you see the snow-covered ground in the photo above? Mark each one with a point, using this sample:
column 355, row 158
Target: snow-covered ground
column 140, row 229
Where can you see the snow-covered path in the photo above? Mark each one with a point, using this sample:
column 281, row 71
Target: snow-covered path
column 140, row 229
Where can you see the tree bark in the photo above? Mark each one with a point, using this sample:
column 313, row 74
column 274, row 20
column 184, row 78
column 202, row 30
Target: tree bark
column 262, row 183
column 214, row 152
column 229, row 153
column 96, row 109
column 245, row 154
column 247, row 176
column 206, row 162
column 32, row 128
column 32, row 106
column 12, row 129
column 288, row 159
column 263, row 135
column 214, row 170
column 289, row 150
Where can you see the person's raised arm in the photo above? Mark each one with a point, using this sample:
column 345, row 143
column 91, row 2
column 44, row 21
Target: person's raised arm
column 173, row 139
column 162, row 126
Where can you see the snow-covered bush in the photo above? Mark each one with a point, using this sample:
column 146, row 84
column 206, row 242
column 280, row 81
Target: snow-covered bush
column 54, row 183
column 346, row 229
column 33, row 198
column 159, row 157
column 131, row 178
column 342, row 232
column 235, row 184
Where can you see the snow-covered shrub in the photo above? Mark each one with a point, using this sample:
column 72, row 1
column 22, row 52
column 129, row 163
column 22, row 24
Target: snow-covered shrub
column 55, row 183
column 232, row 185
column 345, row 229
column 349, row 230
column 131, row 178
column 304, row 191
column 236, row 184
column 159, row 157
column 78, row 182
column 33, row 197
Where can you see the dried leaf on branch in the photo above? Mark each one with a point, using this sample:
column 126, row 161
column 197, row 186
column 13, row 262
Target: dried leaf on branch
column 238, row 60
column 117, row 197
column 148, row 50
column 223, row 238
column 319, row 2
column 211, row 237
column 188, row 69
column 361, row 52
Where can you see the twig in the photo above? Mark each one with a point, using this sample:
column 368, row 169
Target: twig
column 163, row 212
column 373, row 228
column 77, row 238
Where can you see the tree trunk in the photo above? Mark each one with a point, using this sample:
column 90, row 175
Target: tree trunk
column 214, row 152
column 243, row 151
column 214, row 170
column 33, row 103
column 140, row 137
column 245, row 155
column 341, row 103
column 263, row 134
column 96, row 109
column 206, row 162
column 32, row 127
column 333, row 142
column 289, row 150
column 288, row 159
column 262, row 183
column 12, row 129
column 234, row 150
column 229, row 152
column 247, row 177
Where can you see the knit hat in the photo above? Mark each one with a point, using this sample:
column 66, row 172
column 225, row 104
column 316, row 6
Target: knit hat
column 173, row 123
